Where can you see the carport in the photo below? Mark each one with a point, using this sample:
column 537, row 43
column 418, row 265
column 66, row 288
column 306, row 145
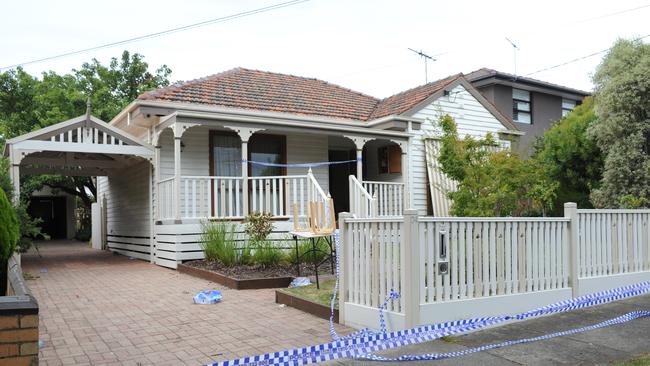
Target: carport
column 82, row 146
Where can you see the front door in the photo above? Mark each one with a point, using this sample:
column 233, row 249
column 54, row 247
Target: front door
column 338, row 178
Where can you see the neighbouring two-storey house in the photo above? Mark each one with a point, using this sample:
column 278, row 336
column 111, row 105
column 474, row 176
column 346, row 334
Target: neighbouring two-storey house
column 533, row 105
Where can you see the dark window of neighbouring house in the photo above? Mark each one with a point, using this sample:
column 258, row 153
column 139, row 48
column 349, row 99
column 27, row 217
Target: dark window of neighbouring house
column 567, row 106
column 521, row 106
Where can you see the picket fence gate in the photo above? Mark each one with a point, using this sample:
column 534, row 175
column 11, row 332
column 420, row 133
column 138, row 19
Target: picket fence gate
column 449, row 268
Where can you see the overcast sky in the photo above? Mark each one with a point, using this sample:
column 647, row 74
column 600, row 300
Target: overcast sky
column 362, row 45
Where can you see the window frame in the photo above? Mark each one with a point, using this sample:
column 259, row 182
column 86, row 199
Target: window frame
column 575, row 104
column 516, row 110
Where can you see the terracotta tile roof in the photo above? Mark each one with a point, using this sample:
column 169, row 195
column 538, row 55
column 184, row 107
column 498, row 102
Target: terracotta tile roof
column 267, row 91
column 406, row 100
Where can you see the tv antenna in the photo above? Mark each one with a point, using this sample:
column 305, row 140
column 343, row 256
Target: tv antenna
column 515, row 48
column 426, row 59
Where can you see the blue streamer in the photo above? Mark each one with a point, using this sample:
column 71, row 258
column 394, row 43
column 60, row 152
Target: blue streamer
column 365, row 343
column 301, row 165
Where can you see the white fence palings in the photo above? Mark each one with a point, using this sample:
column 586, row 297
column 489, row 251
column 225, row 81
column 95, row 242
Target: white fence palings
column 613, row 242
column 499, row 268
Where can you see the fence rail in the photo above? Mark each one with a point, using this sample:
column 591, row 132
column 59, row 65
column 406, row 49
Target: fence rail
column 448, row 268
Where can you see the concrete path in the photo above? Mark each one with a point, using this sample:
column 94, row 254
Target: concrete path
column 603, row 346
column 103, row 309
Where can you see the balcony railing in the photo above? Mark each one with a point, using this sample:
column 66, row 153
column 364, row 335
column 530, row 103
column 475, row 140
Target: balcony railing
column 389, row 195
column 223, row 197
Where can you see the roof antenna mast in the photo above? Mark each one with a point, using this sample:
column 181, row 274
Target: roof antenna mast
column 426, row 59
column 514, row 51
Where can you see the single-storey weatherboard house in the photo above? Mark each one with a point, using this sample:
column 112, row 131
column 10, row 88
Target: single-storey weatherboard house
column 183, row 154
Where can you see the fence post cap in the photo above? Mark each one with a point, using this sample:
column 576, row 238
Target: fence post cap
column 345, row 215
column 412, row 211
column 570, row 205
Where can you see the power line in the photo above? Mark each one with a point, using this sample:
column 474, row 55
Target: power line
column 611, row 14
column 163, row 33
column 579, row 58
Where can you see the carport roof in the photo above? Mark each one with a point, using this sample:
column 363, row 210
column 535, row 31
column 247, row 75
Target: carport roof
column 82, row 146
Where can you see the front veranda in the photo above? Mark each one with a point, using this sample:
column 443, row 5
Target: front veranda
column 210, row 170
column 220, row 178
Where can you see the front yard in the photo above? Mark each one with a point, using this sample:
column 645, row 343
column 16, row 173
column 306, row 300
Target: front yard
column 103, row 309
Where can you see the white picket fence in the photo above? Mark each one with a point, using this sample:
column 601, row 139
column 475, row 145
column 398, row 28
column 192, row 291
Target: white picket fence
column 454, row 268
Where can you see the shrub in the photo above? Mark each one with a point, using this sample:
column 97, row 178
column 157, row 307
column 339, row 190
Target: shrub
column 9, row 228
column 266, row 254
column 258, row 226
column 218, row 243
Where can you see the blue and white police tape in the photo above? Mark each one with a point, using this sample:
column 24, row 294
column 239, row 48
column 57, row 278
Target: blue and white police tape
column 365, row 343
column 438, row 356
column 300, row 165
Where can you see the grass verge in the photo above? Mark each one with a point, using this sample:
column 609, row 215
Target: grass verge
column 321, row 296
column 643, row 360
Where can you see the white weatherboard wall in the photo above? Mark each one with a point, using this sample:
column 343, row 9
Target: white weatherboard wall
column 127, row 211
column 309, row 148
column 472, row 118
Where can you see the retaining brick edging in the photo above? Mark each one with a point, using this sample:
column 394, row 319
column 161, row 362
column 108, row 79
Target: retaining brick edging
column 18, row 320
column 305, row 305
column 235, row 283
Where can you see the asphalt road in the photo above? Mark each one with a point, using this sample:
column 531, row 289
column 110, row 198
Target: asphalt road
column 602, row 346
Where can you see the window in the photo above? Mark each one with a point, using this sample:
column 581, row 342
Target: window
column 521, row 106
column 390, row 159
column 567, row 106
column 266, row 149
column 225, row 154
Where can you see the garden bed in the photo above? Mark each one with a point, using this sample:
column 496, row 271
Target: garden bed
column 310, row 299
column 244, row 277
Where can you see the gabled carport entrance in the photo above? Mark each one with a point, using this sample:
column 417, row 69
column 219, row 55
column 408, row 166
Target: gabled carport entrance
column 82, row 146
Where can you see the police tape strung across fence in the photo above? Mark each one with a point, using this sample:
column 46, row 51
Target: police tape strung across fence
column 301, row 165
column 365, row 343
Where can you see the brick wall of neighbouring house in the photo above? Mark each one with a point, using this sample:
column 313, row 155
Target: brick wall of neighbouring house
column 19, row 339
column 18, row 320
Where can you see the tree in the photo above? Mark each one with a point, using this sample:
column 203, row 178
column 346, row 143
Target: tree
column 571, row 157
column 27, row 104
column 9, row 234
column 491, row 181
column 622, row 130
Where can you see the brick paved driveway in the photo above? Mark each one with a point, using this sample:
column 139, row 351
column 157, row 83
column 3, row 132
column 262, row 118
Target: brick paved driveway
column 103, row 309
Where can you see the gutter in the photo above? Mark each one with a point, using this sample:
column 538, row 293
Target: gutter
column 282, row 122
